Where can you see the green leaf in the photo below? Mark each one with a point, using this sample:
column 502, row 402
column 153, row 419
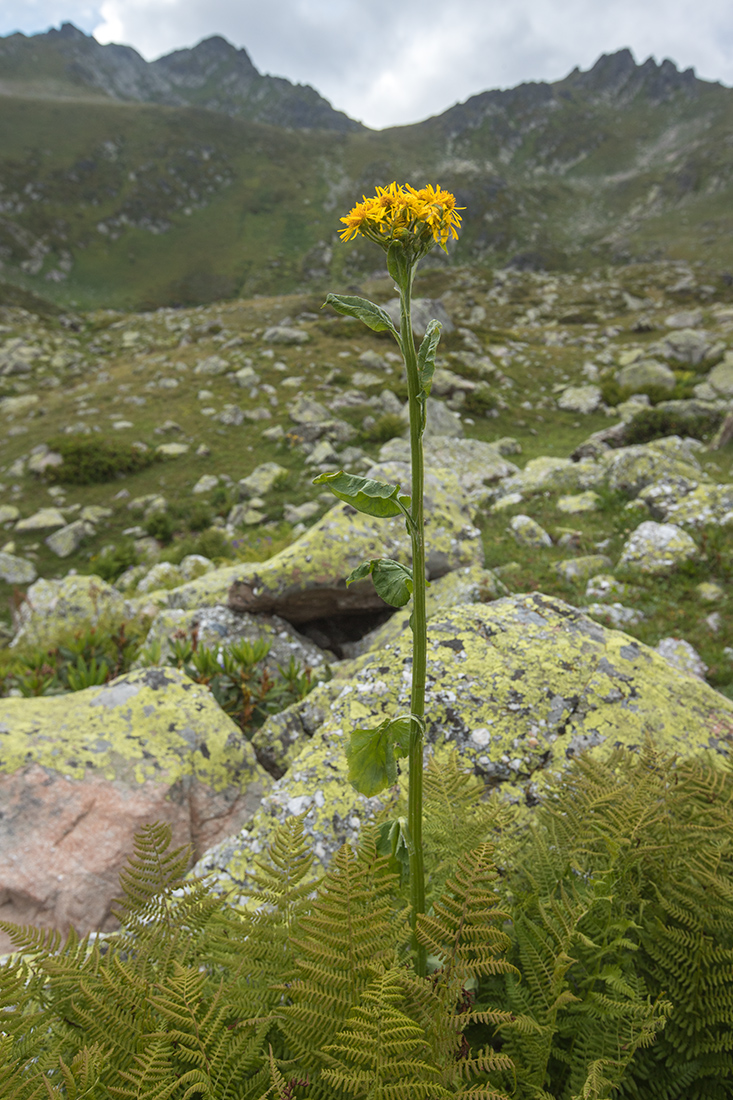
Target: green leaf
column 392, row 841
column 372, row 315
column 373, row 755
column 397, row 264
column 392, row 581
column 426, row 356
column 373, row 498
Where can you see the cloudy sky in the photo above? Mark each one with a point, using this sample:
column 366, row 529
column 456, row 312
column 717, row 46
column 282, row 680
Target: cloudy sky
column 388, row 62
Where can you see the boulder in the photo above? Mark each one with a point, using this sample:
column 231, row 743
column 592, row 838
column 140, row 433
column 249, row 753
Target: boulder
column 213, row 365
column 54, row 607
column 580, row 399
column 686, row 345
column 206, row 483
column 686, row 318
column 12, row 406
column 42, row 520
column 645, row 373
column 441, row 421
column 9, row 513
column 630, row 469
column 283, row 334
column 683, row 656
column 68, row 539
column 164, row 575
column 657, row 548
column 578, row 503
column 219, row 627
column 528, row 532
column 261, row 480
column 14, row 570
column 721, row 377
column 195, row 565
column 172, row 450
column 704, row 504
column 554, row 474
column 580, row 569
column 231, row 415
column 474, row 463
column 80, row 773
column 519, row 686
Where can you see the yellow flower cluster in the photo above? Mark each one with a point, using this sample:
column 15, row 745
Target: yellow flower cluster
column 419, row 219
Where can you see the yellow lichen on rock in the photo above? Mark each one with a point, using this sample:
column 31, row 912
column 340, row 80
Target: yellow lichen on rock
column 518, row 685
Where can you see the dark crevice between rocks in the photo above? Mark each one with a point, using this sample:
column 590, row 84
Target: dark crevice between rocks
column 339, row 633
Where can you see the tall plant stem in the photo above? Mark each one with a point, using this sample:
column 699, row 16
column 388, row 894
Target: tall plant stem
column 418, row 622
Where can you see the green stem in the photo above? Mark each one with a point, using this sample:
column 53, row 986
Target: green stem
column 418, row 622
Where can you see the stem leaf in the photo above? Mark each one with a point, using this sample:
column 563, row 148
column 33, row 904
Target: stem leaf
column 393, row 842
column 373, row 498
column 426, row 356
column 397, row 264
column 373, row 754
column 392, row 581
column 371, row 314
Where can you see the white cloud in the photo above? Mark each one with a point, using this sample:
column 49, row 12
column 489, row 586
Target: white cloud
column 388, row 63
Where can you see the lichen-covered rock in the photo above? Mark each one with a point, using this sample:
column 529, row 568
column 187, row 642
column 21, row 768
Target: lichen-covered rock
column 164, row 575
column 630, row 469
column 657, row 548
column 528, row 532
column 284, row 334
column 554, row 474
column 42, row 520
column 219, row 627
column 645, row 373
column 518, row 685
column 195, row 565
column 721, row 377
column 687, row 345
column 15, row 570
column 80, row 773
column 698, row 506
column 307, row 579
column 580, row 399
column 683, row 656
column 261, row 480
column 52, row 607
column 579, row 569
column 472, row 462
column 68, row 539
column 580, row 502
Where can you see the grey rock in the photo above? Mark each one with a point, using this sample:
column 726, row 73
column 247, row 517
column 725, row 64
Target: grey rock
column 686, row 346
column 721, row 377
column 646, row 372
column 206, row 483
column 14, row 570
column 580, row 569
column 231, row 415
column 282, row 334
column 683, row 656
column 687, row 318
column 41, row 520
column 261, row 480
column 657, row 548
column 580, row 399
column 213, row 365
column 298, row 513
column 422, row 313
column 67, row 540
column 528, row 532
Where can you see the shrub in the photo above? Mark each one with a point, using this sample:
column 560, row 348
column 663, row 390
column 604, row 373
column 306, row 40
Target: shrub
column 199, row 516
column 652, row 423
column 481, row 400
column 211, row 543
column 387, row 427
column 90, row 461
column 112, row 562
column 161, row 526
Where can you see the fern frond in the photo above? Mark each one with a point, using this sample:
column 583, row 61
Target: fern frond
column 152, row 874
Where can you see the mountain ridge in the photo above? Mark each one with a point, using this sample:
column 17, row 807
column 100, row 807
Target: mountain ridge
column 214, row 75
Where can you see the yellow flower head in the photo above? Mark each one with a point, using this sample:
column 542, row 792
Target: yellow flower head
column 418, row 219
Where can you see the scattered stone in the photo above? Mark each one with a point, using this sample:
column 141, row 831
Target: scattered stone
column 714, row 622
column 581, row 502
column 370, row 360
column 231, row 415
column 213, row 365
column 682, row 656
column 299, row 513
column 95, row 513
column 274, row 434
column 580, row 569
column 54, row 606
column 721, row 377
column 68, row 540
column 553, row 474
column 305, row 410
column 657, row 548
column 283, row 334
column 206, row 483
column 706, row 504
column 261, row 480
column 9, row 513
column 195, row 565
column 580, row 399
column 14, row 570
column 202, row 451
column 246, row 376
column 710, row 592
column 41, row 520
column 245, row 515
column 686, row 346
column 528, row 532
column 81, row 773
column 259, row 413
column 646, row 372
column 13, row 406
column 504, row 503
column 164, row 575
column 172, row 450
column 604, row 585
column 630, row 469
column 688, row 318
column 39, row 463
column 615, row 614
